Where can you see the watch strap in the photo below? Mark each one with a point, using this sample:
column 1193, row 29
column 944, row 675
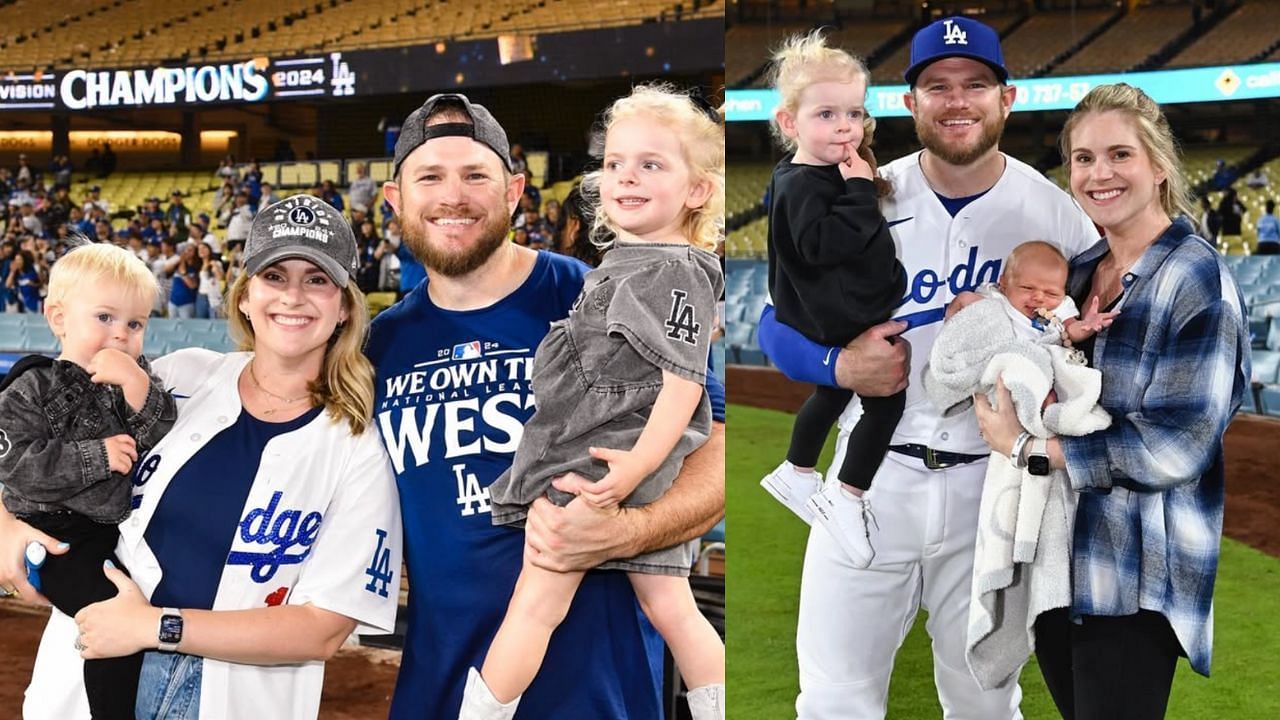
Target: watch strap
column 1040, row 446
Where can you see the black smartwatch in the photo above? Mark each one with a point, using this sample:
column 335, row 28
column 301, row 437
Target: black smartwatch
column 170, row 631
column 1038, row 458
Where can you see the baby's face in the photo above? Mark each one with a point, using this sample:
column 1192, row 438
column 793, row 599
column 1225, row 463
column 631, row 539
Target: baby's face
column 103, row 315
column 1037, row 283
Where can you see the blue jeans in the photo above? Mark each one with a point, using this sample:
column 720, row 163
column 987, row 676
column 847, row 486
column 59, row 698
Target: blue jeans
column 169, row 688
column 202, row 307
column 187, row 311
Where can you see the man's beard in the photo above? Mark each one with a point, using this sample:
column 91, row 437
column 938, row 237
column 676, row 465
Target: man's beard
column 453, row 264
column 934, row 143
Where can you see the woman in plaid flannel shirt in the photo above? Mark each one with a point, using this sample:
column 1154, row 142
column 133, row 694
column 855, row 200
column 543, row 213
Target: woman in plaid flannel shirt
column 1175, row 365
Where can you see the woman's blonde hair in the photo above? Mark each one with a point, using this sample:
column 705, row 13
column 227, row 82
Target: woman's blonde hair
column 345, row 385
column 87, row 265
column 1153, row 132
column 805, row 59
column 702, row 142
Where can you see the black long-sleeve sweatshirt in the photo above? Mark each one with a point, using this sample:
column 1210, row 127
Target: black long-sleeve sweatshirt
column 833, row 267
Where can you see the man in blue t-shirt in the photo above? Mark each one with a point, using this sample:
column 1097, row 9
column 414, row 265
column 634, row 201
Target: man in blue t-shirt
column 454, row 362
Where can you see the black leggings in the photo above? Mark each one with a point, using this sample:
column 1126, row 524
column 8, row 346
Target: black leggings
column 75, row 579
column 868, row 441
column 1107, row 668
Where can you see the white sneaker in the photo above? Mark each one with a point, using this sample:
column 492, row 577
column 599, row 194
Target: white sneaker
column 849, row 520
column 792, row 488
column 706, row 702
column 478, row 703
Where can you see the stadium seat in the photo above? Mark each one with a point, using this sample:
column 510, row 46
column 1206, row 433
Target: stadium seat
column 1258, row 330
column 1248, row 404
column 1273, row 334
column 1266, row 365
column 12, row 337
column 1270, row 398
column 718, row 353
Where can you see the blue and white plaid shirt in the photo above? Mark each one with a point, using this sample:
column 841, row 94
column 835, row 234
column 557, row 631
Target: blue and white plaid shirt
column 1175, row 366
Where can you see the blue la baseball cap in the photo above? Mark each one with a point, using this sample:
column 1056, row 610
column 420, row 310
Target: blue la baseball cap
column 956, row 37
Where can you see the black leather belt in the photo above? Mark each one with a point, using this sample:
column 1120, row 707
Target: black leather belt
column 935, row 459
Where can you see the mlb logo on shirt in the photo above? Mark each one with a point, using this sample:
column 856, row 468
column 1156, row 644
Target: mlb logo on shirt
column 466, row 351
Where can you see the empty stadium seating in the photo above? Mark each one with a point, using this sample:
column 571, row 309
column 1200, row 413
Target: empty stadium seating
column 747, row 48
column 745, row 184
column 1043, row 41
column 1235, row 39
column 1046, row 36
column 120, row 33
column 1137, row 35
column 29, row 333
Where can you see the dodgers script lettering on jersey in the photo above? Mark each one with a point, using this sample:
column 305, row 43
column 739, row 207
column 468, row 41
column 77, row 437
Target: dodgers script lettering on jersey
column 277, row 532
column 966, row 276
column 474, row 397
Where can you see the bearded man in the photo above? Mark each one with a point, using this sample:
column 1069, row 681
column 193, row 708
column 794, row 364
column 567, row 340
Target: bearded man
column 958, row 208
column 454, row 359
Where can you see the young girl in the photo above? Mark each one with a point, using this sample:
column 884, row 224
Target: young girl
column 621, row 381
column 833, row 272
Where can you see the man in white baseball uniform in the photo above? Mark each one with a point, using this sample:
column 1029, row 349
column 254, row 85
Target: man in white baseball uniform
column 959, row 207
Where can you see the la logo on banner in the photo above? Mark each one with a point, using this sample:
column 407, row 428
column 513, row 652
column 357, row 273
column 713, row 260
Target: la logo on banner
column 954, row 35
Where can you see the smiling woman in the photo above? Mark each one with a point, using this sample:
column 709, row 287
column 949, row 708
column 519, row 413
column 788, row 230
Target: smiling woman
column 253, row 515
column 1175, row 367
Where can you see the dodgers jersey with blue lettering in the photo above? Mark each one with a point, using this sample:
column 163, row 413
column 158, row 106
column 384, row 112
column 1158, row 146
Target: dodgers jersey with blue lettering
column 452, row 397
column 320, row 525
column 946, row 255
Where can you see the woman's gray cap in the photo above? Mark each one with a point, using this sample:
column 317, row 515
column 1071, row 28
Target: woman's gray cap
column 303, row 226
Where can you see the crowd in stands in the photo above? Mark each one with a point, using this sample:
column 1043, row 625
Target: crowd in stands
column 197, row 255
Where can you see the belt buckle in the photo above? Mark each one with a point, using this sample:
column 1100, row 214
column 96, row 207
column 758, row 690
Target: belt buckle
column 931, row 460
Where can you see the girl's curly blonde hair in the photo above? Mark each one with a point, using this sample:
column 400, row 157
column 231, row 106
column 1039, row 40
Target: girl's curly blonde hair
column 702, row 143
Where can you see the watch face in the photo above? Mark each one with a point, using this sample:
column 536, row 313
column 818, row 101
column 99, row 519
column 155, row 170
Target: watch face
column 171, row 629
column 1038, row 465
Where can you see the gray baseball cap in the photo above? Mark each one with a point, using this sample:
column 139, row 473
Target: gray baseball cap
column 483, row 128
column 302, row 226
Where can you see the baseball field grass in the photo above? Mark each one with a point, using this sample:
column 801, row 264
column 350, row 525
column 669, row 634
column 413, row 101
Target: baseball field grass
column 763, row 591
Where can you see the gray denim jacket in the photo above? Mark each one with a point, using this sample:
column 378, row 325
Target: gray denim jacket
column 53, row 421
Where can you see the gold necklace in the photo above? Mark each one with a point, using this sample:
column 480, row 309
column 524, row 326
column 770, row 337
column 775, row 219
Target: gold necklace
column 284, row 401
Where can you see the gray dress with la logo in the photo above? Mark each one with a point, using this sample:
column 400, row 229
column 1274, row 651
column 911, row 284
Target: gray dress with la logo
column 648, row 307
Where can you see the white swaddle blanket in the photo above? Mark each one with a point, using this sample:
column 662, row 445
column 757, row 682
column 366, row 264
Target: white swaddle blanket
column 1022, row 557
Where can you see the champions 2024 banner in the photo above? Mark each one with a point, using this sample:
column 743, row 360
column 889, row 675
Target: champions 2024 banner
column 641, row 50
column 238, row 82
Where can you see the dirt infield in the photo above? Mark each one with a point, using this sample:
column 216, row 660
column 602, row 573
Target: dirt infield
column 1252, row 514
column 357, row 682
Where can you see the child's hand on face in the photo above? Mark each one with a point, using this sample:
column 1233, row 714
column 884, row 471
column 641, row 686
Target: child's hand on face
column 112, row 367
column 122, row 453
column 853, row 165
